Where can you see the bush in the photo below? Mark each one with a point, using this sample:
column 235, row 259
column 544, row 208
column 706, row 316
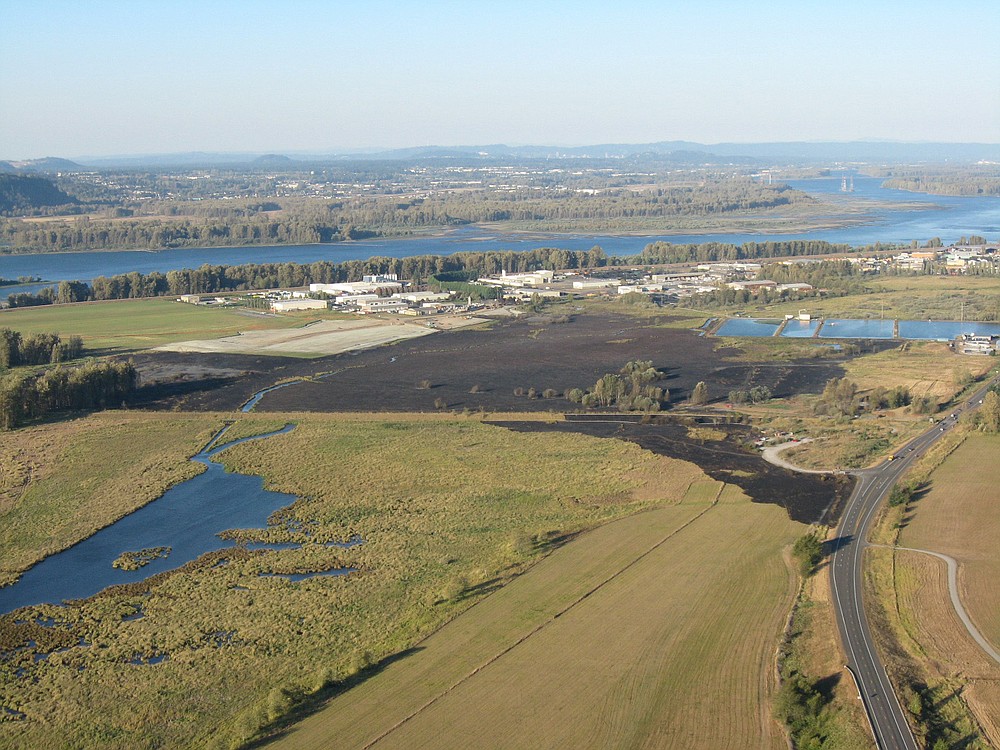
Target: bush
column 700, row 394
column 809, row 551
column 900, row 495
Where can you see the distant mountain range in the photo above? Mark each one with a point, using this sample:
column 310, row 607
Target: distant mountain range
column 681, row 152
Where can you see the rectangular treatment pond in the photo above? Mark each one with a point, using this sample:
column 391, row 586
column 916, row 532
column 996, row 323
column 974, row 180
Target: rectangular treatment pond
column 944, row 330
column 837, row 328
column 753, row 327
column 800, row 329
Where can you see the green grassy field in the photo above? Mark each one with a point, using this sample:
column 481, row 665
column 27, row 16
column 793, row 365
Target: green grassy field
column 960, row 517
column 449, row 510
column 131, row 325
column 658, row 630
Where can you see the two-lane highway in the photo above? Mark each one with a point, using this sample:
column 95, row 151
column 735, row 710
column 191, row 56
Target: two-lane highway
column 887, row 717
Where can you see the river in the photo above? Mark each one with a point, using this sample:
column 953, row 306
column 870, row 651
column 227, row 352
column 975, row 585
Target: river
column 946, row 217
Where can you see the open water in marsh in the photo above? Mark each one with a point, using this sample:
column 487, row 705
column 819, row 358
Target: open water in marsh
column 187, row 518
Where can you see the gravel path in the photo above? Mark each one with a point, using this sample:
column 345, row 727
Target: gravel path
column 771, row 456
column 955, row 600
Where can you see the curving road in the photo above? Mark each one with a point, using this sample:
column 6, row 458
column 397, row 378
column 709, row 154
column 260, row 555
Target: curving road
column 888, row 720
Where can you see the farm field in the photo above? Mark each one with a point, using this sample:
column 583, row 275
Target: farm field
column 936, row 664
column 959, row 517
column 448, row 511
column 658, row 630
column 926, row 368
column 124, row 326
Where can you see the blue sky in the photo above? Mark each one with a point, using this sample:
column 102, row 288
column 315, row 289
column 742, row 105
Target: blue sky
column 97, row 78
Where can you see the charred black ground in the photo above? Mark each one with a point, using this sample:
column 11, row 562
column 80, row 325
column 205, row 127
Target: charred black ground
column 493, row 370
column 481, row 369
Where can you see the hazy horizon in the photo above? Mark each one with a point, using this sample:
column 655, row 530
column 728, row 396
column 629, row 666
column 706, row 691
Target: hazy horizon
column 101, row 79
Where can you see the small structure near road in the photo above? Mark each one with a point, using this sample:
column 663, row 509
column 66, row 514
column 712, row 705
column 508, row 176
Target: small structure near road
column 970, row 343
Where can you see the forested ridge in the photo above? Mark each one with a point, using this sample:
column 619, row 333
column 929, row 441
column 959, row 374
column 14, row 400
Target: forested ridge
column 22, row 193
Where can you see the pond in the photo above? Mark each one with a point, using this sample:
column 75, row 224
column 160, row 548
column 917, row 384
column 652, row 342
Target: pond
column 944, row 330
column 187, row 519
column 800, row 329
column 838, row 328
column 753, row 327
column 842, row 328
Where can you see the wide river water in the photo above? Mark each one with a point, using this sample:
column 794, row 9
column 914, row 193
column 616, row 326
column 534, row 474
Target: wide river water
column 942, row 216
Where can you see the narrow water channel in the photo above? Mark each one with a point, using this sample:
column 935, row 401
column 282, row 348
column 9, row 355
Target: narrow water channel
column 185, row 520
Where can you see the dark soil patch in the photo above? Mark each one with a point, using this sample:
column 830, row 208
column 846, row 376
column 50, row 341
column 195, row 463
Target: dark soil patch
column 482, row 370
column 808, row 498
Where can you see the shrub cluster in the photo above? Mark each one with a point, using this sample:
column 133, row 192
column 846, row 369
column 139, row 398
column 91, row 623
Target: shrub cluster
column 758, row 394
column 633, row 388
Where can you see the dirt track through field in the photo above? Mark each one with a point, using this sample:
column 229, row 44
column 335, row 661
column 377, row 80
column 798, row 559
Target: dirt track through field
column 956, row 601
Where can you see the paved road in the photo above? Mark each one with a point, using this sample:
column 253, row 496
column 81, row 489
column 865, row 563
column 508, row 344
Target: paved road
column 887, row 718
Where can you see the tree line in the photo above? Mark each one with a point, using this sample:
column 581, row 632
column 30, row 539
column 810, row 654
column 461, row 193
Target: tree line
column 421, row 269
column 95, row 385
column 358, row 217
column 37, row 349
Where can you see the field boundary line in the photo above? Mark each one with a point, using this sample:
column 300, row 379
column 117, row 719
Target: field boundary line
column 956, row 601
column 542, row 625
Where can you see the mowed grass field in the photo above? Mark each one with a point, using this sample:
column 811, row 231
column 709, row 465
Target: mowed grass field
column 959, row 517
column 658, row 630
column 131, row 325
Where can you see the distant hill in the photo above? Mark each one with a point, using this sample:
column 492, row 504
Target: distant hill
column 273, row 160
column 852, row 151
column 45, row 164
column 22, row 193
column 682, row 152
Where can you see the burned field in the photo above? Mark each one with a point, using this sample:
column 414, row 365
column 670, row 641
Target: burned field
column 808, row 498
column 481, row 370
column 527, row 365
